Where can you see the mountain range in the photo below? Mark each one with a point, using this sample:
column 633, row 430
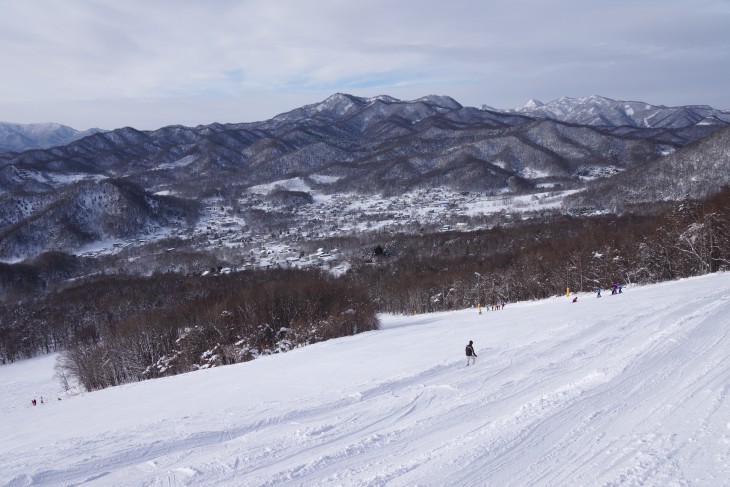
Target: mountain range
column 16, row 137
column 124, row 183
column 601, row 111
column 696, row 170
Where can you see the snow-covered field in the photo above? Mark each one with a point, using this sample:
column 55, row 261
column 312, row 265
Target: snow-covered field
column 629, row 389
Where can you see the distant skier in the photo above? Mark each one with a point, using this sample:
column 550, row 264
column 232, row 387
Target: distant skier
column 471, row 356
column 598, row 292
column 614, row 288
column 575, row 299
column 620, row 287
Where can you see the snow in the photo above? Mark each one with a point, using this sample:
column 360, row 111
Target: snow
column 324, row 179
column 182, row 162
column 67, row 179
column 630, row 389
column 596, row 172
column 522, row 203
column 59, row 178
column 293, row 184
column 533, row 173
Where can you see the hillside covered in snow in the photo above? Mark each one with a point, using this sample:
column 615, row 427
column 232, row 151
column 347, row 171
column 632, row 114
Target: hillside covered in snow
column 21, row 137
column 630, row 389
column 267, row 177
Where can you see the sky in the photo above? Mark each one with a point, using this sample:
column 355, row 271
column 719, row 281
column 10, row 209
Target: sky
column 630, row 389
column 147, row 64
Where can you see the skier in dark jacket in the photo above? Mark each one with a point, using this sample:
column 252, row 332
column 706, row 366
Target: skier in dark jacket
column 471, row 356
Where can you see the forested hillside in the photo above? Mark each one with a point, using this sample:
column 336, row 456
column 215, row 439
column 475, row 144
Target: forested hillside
column 117, row 329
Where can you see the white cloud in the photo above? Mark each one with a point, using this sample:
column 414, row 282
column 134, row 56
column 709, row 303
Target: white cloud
column 257, row 53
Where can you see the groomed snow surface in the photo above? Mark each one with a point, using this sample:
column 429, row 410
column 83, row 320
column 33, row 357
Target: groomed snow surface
column 629, row 389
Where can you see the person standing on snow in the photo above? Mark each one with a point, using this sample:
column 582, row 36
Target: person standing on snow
column 598, row 292
column 471, row 356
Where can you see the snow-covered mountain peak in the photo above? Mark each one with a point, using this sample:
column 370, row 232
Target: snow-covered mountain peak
column 338, row 104
column 568, row 104
column 384, row 99
column 603, row 111
column 442, row 101
column 531, row 103
column 20, row 137
column 342, row 104
column 335, row 106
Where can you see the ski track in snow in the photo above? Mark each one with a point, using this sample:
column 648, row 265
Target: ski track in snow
column 622, row 390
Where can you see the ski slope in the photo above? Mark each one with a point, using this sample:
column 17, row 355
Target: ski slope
column 629, row 389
